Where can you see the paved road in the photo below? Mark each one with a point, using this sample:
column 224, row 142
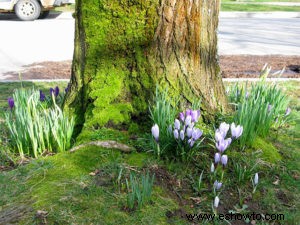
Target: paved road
column 23, row 43
column 259, row 36
column 51, row 39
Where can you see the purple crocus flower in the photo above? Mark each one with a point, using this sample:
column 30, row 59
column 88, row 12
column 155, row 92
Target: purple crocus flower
column 189, row 132
column 195, row 115
column 236, row 131
column 56, row 91
column 223, row 129
column 11, row 103
column 216, row 202
column 224, row 160
column 155, row 132
column 181, row 135
column 247, row 95
column 177, row 124
column 217, row 185
column 218, row 136
column 42, row 96
column 256, row 179
column 176, row 134
column 191, row 142
column 287, row 111
column 181, row 116
column 217, row 157
column 188, row 120
column 222, row 145
column 51, row 91
column 196, row 134
column 188, row 112
column 67, row 88
column 212, row 168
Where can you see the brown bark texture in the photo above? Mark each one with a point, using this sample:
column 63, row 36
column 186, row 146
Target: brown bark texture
column 123, row 48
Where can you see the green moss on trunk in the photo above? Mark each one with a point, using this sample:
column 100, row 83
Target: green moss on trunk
column 124, row 47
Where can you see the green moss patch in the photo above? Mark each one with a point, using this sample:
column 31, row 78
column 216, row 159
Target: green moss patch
column 269, row 152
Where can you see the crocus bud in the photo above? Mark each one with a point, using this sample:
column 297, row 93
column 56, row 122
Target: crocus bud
column 189, row 131
column 256, row 179
column 217, row 185
column 56, row 91
column 155, row 132
column 176, row 134
column 247, row 95
column 11, row 102
column 216, row 202
column 191, row 142
column 212, row 168
column 236, row 131
column 51, row 91
column 195, row 116
column 223, row 144
column 177, row 124
column 188, row 120
column 188, row 112
column 224, row 127
column 182, row 135
column 217, row 157
column 67, row 88
column 42, row 96
column 224, row 160
column 218, row 136
column 287, row 111
column 181, row 116
column 196, row 134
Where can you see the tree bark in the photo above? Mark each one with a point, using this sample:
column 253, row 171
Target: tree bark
column 124, row 47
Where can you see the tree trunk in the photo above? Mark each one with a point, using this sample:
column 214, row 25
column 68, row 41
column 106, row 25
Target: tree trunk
column 124, row 47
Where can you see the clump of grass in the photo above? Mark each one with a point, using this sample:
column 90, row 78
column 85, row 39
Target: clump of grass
column 258, row 108
column 35, row 127
column 139, row 190
column 163, row 113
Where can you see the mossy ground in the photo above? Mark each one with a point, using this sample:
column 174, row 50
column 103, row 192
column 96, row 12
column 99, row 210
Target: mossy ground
column 81, row 187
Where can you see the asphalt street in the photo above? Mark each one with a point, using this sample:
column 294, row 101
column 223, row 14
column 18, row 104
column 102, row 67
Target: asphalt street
column 23, row 43
column 51, row 39
column 259, row 36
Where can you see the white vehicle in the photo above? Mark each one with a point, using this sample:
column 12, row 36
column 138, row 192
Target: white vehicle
column 31, row 9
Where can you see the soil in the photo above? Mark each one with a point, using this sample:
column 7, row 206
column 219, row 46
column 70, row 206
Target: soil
column 232, row 66
column 246, row 66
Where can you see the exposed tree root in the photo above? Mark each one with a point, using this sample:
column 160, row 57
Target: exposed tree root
column 105, row 144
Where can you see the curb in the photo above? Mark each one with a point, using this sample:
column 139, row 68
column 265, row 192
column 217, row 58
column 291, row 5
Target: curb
column 261, row 15
column 258, row 79
column 69, row 15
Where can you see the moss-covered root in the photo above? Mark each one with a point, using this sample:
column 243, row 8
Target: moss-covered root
column 105, row 144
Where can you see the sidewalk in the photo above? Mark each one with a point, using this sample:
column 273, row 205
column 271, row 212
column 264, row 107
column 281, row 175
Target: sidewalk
column 277, row 15
column 267, row 3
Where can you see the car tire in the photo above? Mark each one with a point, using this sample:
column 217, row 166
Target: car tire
column 44, row 14
column 28, row 10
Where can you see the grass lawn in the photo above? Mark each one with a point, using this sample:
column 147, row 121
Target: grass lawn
column 89, row 185
column 258, row 8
